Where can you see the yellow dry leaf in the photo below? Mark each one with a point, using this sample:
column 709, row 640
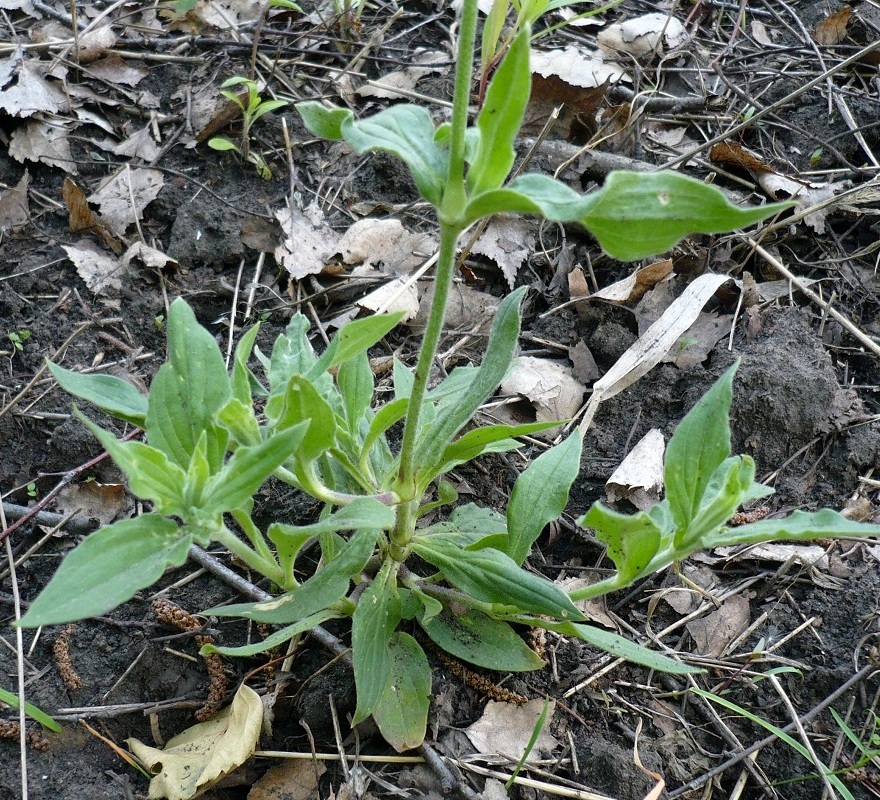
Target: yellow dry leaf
column 196, row 759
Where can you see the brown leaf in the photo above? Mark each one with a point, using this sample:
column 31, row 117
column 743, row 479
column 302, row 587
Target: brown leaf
column 732, row 154
column 832, row 29
column 576, row 121
column 14, row 211
column 82, row 219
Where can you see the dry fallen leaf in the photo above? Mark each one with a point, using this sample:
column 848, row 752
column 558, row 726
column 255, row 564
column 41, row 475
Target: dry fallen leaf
column 760, row 33
column 391, row 85
column 714, row 632
column 550, row 387
column 648, row 35
column 99, row 270
column 114, row 69
column 14, row 211
column 577, row 67
column 124, row 196
column 505, row 729
column 832, row 29
column 148, row 256
column 385, row 242
column 202, row 755
column 392, row 297
column 139, row 145
column 632, row 288
column 101, row 501
column 308, row 241
column 292, row 779
column 82, row 219
column 639, row 477
column 43, row 141
column 508, row 241
column 24, row 90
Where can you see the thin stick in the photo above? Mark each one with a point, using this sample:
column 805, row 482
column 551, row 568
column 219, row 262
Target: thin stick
column 866, row 340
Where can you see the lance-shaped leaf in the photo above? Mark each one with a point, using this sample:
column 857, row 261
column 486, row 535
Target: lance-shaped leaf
column 353, row 338
column 624, row 648
column 107, row 568
column 402, row 709
column 273, row 640
column 501, row 116
column 540, row 495
column 303, row 402
column 493, row 577
column 113, row 395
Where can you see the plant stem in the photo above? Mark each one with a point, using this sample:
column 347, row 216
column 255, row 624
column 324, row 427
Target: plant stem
column 246, row 554
column 451, row 214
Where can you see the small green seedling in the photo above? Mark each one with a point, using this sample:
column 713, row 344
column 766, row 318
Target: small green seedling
column 18, row 338
column 252, row 109
column 215, row 436
column 32, row 711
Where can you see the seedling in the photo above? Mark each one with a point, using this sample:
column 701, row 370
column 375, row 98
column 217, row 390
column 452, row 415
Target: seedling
column 210, row 446
column 251, row 110
column 18, row 338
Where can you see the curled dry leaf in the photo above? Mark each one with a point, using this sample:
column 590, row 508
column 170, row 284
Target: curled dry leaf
column 394, row 296
column 648, row 35
column 832, row 29
column 393, row 84
column 505, row 729
column 82, row 219
column 148, row 256
column 308, row 241
column 639, row 478
column 385, row 242
column 550, row 387
column 202, row 755
column 577, row 67
column 508, row 241
column 632, row 288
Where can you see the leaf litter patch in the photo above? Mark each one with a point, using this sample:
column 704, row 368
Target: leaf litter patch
column 769, row 426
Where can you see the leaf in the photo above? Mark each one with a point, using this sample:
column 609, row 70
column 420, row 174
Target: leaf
column 353, row 338
column 402, row 709
column 726, row 491
column 151, row 474
column 501, row 116
column 630, row 651
column 303, row 402
column 700, row 444
column 204, row 754
column 493, row 577
column 496, row 362
column 291, row 355
column 248, row 468
column 474, row 443
column 355, row 379
column 113, row 395
column 540, row 495
column 108, row 568
column 507, row 729
column 324, row 588
column 373, row 624
column 275, row 639
column 31, row 710
column 481, row 640
column 187, row 391
column 323, row 122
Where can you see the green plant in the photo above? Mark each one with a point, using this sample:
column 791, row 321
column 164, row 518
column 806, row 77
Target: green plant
column 32, row 711
column 314, row 427
column 18, row 338
column 251, row 110
column 496, row 39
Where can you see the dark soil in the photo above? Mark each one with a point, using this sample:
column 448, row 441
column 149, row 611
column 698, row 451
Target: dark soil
column 805, row 408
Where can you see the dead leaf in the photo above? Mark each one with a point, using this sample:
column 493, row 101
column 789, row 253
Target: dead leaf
column 714, row 632
column 648, row 35
column 505, row 729
column 393, row 84
column 593, row 608
column 394, row 296
column 14, row 211
column 148, row 256
column 650, row 348
column 82, row 219
column 832, row 29
column 639, row 477
column 292, row 779
column 114, row 69
column 308, row 241
column 93, row 44
column 99, row 270
column 385, row 242
column 576, row 107
column 202, row 755
column 585, row 368
column 101, row 501
column 695, row 344
column 632, row 288
column 124, row 196
column 44, row 142
column 469, row 309
column 804, row 555
column 550, row 387
column 577, row 67
column 24, row 90
column 760, row 34
column 139, row 145
column 508, row 241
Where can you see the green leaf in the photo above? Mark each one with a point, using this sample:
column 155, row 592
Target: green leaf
column 273, row 639
column 354, row 338
column 248, row 468
column 401, row 711
column 151, row 474
column 407, row 132
column 113, row 395
column 474, row 443
column 798, row 526
column 632, row 539
column 501, row 116
column 242, row 378
column 239, row 419
column 481, row 640
column 496, row 363
column 323, row 122
column 540, row 495
column 700, row 444
column 492, row 577
column 373, row 624
column 323, row 589
column 108, row 568
column 292, row 354
column 635, row 215
column 725, row 492
column 187, row 391
column 222, row 144
column 31, row 710
column 355, row 379
column 624, row 648
column 303, row 402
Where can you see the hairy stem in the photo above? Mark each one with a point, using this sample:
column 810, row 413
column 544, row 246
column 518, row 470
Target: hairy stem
column 254, row 560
